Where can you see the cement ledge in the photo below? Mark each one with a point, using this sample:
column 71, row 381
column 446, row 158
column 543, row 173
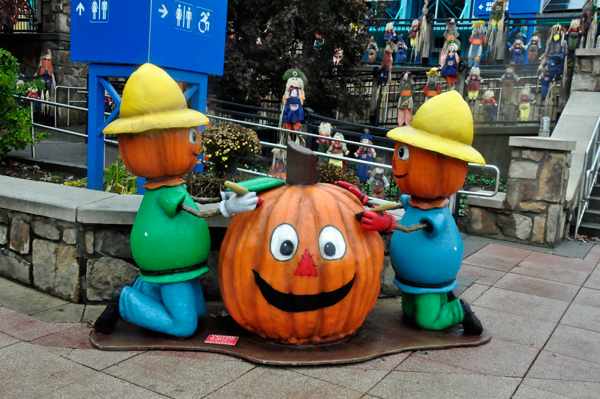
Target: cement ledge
column 495, row 202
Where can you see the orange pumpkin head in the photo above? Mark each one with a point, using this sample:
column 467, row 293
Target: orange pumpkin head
column 161, row 154
column 426, row 174
column 300, row 269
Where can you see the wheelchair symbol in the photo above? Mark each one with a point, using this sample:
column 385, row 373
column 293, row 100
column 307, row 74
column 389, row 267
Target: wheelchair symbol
column 204, row 25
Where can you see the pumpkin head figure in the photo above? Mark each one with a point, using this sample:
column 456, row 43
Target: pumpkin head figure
column 300, row 269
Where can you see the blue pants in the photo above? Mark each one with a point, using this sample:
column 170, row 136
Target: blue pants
column 172, row 308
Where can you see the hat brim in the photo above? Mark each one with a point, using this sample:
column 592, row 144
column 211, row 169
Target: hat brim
column 427, row 141
column 184, row 117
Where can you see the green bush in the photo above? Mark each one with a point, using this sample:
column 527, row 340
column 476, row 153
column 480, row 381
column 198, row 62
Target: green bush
column 15, row 121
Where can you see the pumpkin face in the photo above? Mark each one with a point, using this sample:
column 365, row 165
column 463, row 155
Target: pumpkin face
column 161, row 153
column 427, row 174
column 300, row 269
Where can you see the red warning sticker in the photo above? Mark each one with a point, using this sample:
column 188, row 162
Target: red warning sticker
column 221, row 339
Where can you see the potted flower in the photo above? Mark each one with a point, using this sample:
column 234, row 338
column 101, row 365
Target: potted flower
column 226, row 143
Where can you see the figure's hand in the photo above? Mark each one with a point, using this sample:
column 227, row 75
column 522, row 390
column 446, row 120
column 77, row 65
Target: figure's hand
column 376, row 221
column 354, row 190
column 233, row 204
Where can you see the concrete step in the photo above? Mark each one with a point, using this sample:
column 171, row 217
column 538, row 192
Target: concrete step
column 591, row 216
column 589, row 229
column 596, row 191
column 593, row 211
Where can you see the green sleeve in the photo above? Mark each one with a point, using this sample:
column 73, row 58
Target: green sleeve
column 169, row 201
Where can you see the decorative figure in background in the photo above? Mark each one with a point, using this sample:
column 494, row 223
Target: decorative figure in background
column 524, row 109
column 450, row 66
column 474, row 84
column 405, row 102
column 546, row 80
column 160, row 141
column 338, row 148
column 414, row 32
column 390, row 33
column 433, row 87
column 47, row 74
column 401, row 54
column 338, row 56
column 556, row 46
column 573, row 35
column 420, row 34
column 280, row 264
column 451, row 36
column 32, row 92
column 293, row 99
column 518, row 50
column 372, row 50
column 365, row 154
column 509, row 79
column 386, row 66
column 495, row 33
column 108, row 102
column 489, row 106
column 378, row 182
column 589, row 23
column 533, row 47
column 325, row 141
column 477, row 39
column 429, row 165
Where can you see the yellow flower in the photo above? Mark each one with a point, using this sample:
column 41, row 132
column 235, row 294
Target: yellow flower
column 224, row 158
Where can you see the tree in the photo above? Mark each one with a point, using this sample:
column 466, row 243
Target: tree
column 10, row 9
column 294, row 34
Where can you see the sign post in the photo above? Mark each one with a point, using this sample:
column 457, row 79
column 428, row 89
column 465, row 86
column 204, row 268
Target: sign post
column 186, row 39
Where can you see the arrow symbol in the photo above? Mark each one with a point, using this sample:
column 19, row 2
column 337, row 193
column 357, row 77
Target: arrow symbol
column 481, row 7
column 163, row 11
column 79, row 9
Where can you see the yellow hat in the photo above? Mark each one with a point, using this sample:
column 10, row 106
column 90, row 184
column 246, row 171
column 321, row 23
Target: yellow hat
column 153, row 100
column 444, row 125
column 435, row 71
column 477, row 23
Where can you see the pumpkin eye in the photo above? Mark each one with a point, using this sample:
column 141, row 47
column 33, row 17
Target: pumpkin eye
column 284, row 242
column 403, row 153
column 331, row 243
column 193, row 136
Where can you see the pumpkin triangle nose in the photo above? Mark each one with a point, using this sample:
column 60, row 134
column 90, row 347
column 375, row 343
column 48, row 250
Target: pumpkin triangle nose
column 306, row 267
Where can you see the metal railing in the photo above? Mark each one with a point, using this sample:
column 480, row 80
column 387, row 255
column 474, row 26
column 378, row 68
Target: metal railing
column 27, row 20
column 82, row 90
column 589, row 176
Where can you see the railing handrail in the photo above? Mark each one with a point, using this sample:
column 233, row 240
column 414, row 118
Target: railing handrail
column 586, row 180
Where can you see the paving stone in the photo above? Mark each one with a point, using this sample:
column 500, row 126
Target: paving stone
column 527, row 392
column 195, row 355
column 57, row 350
column 26, row 300
column 6, row 340
column 76, row 337
column 352, row 378
column 576, row 249
column 514, row 328
column 555, row 268
column 575, row 342
column 588, row 297
column 473, row 292
column 45, row 230
column 497, row 257
column 594, row 280
column 19, row 236
column 536, row 286
column 498, row 357
column 31, row 372
column 484, row 276
column 571, row 389
column 13, row 266
column 448, row 386
column 555, row 366
column 276, row 383
column 179, row 377
column 473, row 244
column 522, row 304
column 420, row 364
column 92, row 312
column 70, row 313
column 103, row 386
column 381, row 363
column 581, row 316
column 26, row 328
column 99, row 360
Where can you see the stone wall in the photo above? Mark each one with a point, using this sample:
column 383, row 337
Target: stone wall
column 533, row 209
column 586, row 74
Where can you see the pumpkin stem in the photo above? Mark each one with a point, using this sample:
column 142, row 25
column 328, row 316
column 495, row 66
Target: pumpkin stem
column 301, row 165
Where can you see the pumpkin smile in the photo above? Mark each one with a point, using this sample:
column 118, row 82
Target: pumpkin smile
column 301, row 303
column 400, row 176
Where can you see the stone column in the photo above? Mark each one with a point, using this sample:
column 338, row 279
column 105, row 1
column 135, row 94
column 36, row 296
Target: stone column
column 586, row 75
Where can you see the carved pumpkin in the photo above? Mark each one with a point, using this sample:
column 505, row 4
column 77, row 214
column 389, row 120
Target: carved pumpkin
column 161, row 153
column 427, row 174
column 300, row 269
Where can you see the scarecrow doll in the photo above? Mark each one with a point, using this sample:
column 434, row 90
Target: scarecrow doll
column 573, row 35
column 477, row 39
column 518, row 50
column 509, row 79
column 365, row 154
column 405, row 102
column 429, row 165
column 450, row 36
column 474, row 83
column 170, row 242
column 401, row 54
column 385, row 75
column 433, row 87
column 489, row 106
column 450, row 65
column 378, row 182
column 292, row 114
column 495, row 37
column 372, row 49
column 414, row 31
column 324, row 142
column 390, row 33
column 338, row 148
column 524, row 109
column 533, row 47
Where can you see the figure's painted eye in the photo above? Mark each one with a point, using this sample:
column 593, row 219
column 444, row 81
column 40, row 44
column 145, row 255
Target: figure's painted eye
column 403, row 153
column 194, row 136
column 284, row 242
column 331, row 243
